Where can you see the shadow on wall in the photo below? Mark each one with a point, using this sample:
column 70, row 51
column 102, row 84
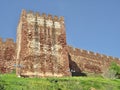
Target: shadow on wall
column 74, row 68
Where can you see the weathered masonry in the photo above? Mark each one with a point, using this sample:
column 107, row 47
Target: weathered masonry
column 7, row 55
column 41, row 46
column 41, row 50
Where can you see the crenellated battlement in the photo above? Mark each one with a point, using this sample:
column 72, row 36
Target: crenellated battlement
column 42, row 20
column 7, row 42
column 89, row 61
column 90, row 54
column 31, row 14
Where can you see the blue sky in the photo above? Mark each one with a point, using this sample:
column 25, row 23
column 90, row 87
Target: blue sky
column 92, row 25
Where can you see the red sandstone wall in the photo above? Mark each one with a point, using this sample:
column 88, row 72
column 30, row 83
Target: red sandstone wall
column 87, row 61
column 7, row 55
column 50, row 55
column 41, row 45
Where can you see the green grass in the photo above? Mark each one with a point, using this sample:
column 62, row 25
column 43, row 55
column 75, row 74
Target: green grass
column 11, row 82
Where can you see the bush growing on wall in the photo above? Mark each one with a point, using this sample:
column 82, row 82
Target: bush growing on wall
column 116, row 68
column 113, row 71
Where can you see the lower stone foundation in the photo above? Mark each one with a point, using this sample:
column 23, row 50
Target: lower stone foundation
column 31, row 74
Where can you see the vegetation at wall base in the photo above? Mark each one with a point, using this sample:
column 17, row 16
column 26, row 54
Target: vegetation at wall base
column 113, row 72
column 116, row 68
column 12, row 82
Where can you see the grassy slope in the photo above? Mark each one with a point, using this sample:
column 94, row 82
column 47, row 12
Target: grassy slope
column 11, row 82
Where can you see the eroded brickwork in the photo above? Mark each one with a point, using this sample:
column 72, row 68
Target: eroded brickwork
column 41, row 50
column 87, row 61
column 41, row 46
column 7, row 55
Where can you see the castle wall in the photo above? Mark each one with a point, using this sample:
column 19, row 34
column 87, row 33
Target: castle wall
column 41, row 50
column 87, row 61
column 7, row 55
column 41, row 46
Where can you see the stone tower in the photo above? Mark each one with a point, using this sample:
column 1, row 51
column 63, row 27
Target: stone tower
column 41, row 46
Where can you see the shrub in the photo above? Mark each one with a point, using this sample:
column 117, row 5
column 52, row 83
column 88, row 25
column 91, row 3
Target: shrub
column 2, row 86
column 115, row 68
column 113, row 72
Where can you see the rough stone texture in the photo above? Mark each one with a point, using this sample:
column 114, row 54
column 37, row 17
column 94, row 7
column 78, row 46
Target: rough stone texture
column 41, row 46
column 87, row 61
column 7, row 56
column 41, row 50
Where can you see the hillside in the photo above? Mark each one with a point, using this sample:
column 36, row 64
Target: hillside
column 11, row 82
